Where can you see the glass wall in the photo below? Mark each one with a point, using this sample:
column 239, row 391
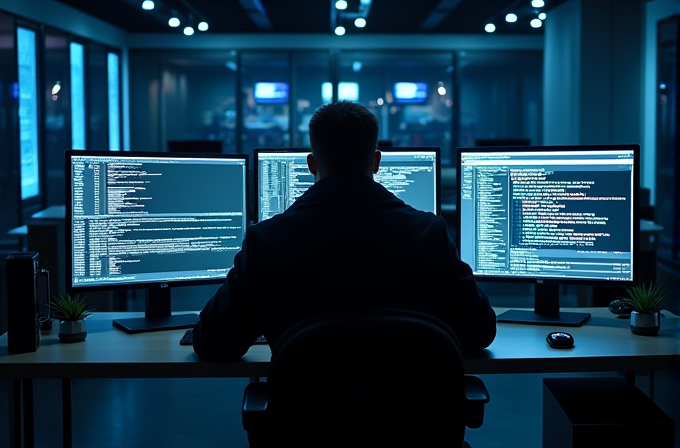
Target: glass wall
column 265, row 96
column 97, row 97
column 410, row 93
column 198, row 97
column 311, row 74
column 56, row 94
column 113, row 82
column 500, row 95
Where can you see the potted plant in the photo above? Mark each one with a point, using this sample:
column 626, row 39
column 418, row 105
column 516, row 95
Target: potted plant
column 71, row 313
column 646, row 302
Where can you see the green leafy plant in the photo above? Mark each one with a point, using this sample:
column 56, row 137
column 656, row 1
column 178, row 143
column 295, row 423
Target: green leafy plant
column 65, row 307
column 646, row 298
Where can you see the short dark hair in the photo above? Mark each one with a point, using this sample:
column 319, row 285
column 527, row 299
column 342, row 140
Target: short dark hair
column 343, row 137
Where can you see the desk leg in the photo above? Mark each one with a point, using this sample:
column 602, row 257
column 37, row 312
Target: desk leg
column 67, row 412
column 27, row 402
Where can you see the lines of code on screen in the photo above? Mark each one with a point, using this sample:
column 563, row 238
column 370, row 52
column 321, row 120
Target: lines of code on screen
column 549, row 215
column 155, row 220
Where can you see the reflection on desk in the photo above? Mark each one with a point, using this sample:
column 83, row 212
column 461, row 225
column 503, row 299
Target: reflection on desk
column 52, row 212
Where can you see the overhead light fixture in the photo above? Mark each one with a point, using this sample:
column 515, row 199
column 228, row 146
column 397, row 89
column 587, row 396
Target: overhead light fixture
column 542, row 16
column 536, row 23
column 511, row 18
column 490, row 28
column 203, row 26
column 188, row 31
column 356, row 66
column 56, row 88
column 341, row 4
column 360, row 22
column 173, row 22
column 147, row 5
column 340, row 30
column 537, row 3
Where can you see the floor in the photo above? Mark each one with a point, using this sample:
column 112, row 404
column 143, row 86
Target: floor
column 205, row 413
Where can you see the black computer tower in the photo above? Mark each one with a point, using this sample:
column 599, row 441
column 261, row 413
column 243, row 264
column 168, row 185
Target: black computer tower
column 667, row 194
column 23, row 324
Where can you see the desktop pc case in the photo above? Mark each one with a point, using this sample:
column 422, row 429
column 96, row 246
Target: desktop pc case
column 27, row 294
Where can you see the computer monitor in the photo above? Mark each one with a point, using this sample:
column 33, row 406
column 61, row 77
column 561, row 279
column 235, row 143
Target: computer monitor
column 281, row 176
column 193, row 146
column 153, row 220
column 550, row 215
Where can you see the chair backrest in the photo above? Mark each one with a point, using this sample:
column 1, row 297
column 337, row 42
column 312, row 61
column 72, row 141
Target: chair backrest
column 379, row 377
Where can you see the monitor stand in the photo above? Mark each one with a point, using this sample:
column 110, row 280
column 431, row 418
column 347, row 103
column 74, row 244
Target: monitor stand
column 546, row 310
column 158, row 315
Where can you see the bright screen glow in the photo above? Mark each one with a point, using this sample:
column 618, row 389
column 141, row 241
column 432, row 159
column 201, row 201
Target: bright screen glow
column 28, row 114
column 347, row 91
column 77, row 96
column 410, row 92
column 271, row 92
column 114, row 102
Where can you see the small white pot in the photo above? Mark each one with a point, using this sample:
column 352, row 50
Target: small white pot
column 646, row 324
column 72, row 331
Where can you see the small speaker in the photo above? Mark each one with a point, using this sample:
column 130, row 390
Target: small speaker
column 23, row 323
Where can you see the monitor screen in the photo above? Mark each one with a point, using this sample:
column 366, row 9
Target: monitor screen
column 412, row 174
column 271, row 92
column 410, row 92
column 550, row 215
column 153, row 220
column 200, row 146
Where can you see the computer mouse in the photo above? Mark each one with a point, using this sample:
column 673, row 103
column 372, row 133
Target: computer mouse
column 560, row 339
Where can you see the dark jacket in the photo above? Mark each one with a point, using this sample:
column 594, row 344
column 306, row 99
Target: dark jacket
column 347, row 242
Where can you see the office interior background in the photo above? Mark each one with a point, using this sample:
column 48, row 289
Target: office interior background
column 70, row 79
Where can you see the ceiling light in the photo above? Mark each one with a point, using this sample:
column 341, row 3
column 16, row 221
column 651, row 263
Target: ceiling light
column 490, row 28
column 340, row 30
column 56, row 88
column 542, row 16
column 536, row 23
column 360, row 22
column 203, row 26
column 511, row 18
column 341, row 4
column 441, row 90
column 356, row 66
column 148, row 5
column 537, row 3
column 173, row 22
column 188, row 31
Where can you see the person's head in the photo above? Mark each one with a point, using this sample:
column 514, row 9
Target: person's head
column 343, row 137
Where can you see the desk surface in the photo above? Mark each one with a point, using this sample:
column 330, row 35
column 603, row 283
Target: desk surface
column 604, row 343
column 51, row 212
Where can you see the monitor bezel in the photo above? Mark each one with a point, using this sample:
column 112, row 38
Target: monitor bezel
column 382, row 149
column 548, row 281
column 151, row 285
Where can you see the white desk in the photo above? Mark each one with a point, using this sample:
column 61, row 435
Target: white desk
column 604, row 343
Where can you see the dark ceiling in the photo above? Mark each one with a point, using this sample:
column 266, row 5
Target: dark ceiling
column 314, row 16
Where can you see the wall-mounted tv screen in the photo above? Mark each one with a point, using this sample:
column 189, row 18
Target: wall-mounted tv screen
column 348, row 91
column 271, row 92
column 410, row 92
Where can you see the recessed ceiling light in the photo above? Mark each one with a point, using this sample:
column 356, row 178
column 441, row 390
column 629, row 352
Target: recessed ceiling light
column 511, row 18
column 148, row 5
column 360, row 22
column 203, row 26
column 537, row 3
column 341, row 4
column 173, row 22
column 490, row 28
column 188, row 31
column 340, row 30
column 536, row 23
column 542, row 16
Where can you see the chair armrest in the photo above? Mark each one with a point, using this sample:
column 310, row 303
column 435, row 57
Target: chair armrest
column 254, row 409
column 476, row 396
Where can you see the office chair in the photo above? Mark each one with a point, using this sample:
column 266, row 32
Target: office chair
column 368, row 378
